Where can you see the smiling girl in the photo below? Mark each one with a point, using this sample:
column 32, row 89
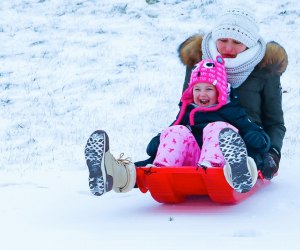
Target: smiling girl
column 209, row 128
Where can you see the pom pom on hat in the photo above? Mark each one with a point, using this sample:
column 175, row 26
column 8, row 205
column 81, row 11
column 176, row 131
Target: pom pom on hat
column 239, row 24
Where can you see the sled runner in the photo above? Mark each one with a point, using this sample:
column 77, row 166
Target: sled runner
column 175, row 184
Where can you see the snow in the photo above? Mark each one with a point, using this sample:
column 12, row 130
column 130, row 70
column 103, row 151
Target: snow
column 71, row 67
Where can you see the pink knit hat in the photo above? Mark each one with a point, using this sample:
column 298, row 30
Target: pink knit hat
column 206, row 71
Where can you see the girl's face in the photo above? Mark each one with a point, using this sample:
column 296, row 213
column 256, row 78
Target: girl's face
column 230, row 48
column 205, row 94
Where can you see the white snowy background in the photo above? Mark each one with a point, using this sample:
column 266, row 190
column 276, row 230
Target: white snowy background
column 69, row 67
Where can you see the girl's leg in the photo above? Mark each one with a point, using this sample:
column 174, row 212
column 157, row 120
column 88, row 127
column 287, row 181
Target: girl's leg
column 240, row 170
column 211, row 153
column 178, row 147
column 105, row 172
column 224, row 147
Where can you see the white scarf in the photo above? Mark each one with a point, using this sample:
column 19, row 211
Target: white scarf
column 240, row 67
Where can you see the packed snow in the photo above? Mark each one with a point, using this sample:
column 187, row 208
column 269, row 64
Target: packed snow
column 74, row 66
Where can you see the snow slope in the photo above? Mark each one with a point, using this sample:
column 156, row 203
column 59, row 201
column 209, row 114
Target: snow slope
column 71, row 67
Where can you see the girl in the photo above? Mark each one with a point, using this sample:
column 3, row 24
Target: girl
column 205, row 132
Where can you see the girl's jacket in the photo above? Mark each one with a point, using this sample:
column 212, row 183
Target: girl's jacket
column 232, row 113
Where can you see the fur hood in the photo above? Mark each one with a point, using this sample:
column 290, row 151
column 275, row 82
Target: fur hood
column 275, row 60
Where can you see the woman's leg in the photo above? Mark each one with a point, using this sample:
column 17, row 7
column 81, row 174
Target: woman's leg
column 178, row 147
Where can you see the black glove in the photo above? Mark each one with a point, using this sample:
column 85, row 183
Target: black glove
column 258, row 140
column 270, row 163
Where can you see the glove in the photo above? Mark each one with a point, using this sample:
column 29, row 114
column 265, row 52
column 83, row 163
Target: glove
column 258, row 140
column 270, row 163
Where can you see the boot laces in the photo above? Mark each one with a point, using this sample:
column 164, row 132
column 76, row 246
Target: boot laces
column 124, row 162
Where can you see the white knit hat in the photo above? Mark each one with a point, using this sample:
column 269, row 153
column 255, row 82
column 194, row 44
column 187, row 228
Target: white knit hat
column 239, row 24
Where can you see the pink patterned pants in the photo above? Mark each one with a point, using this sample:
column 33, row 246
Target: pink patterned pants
column 178, row 146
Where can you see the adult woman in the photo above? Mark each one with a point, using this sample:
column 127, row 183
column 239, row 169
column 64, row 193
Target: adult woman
column 254, row 69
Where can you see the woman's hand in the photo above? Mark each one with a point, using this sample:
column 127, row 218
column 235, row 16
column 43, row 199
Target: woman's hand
column 270, row 163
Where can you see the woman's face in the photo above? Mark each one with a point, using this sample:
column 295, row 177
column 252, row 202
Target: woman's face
column 230, row 48
column 205, row 94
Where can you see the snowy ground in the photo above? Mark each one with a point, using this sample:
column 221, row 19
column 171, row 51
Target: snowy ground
column 71, row 67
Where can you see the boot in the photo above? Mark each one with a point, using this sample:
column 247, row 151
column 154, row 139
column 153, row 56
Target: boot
column 252, row 170
column 240, row 170
column 105, row 172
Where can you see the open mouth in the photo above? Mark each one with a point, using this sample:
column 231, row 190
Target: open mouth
column 204, row 102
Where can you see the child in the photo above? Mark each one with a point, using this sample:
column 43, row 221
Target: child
column 204, row 134
column 206, row 130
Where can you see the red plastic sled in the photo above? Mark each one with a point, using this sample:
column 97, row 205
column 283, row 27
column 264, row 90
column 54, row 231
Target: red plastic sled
column 175, row 184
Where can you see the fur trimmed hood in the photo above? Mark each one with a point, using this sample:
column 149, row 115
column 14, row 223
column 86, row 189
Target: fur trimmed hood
column 275, row 60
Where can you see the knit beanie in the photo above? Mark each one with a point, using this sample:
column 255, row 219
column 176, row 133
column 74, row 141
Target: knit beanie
column 239, row 24
column 206, row 71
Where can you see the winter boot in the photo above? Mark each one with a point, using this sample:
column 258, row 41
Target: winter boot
column 251, row 166
column 239, row 170
column 106, row 172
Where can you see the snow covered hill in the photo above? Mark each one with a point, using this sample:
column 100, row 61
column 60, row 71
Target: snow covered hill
column 73, row 66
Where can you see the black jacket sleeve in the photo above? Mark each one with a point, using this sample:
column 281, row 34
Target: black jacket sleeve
column 273, row 121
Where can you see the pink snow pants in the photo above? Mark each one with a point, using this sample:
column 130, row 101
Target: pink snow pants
column 178, row 146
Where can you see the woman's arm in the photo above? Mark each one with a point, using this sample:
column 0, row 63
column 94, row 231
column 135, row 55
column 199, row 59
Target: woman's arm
column 272, row 113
